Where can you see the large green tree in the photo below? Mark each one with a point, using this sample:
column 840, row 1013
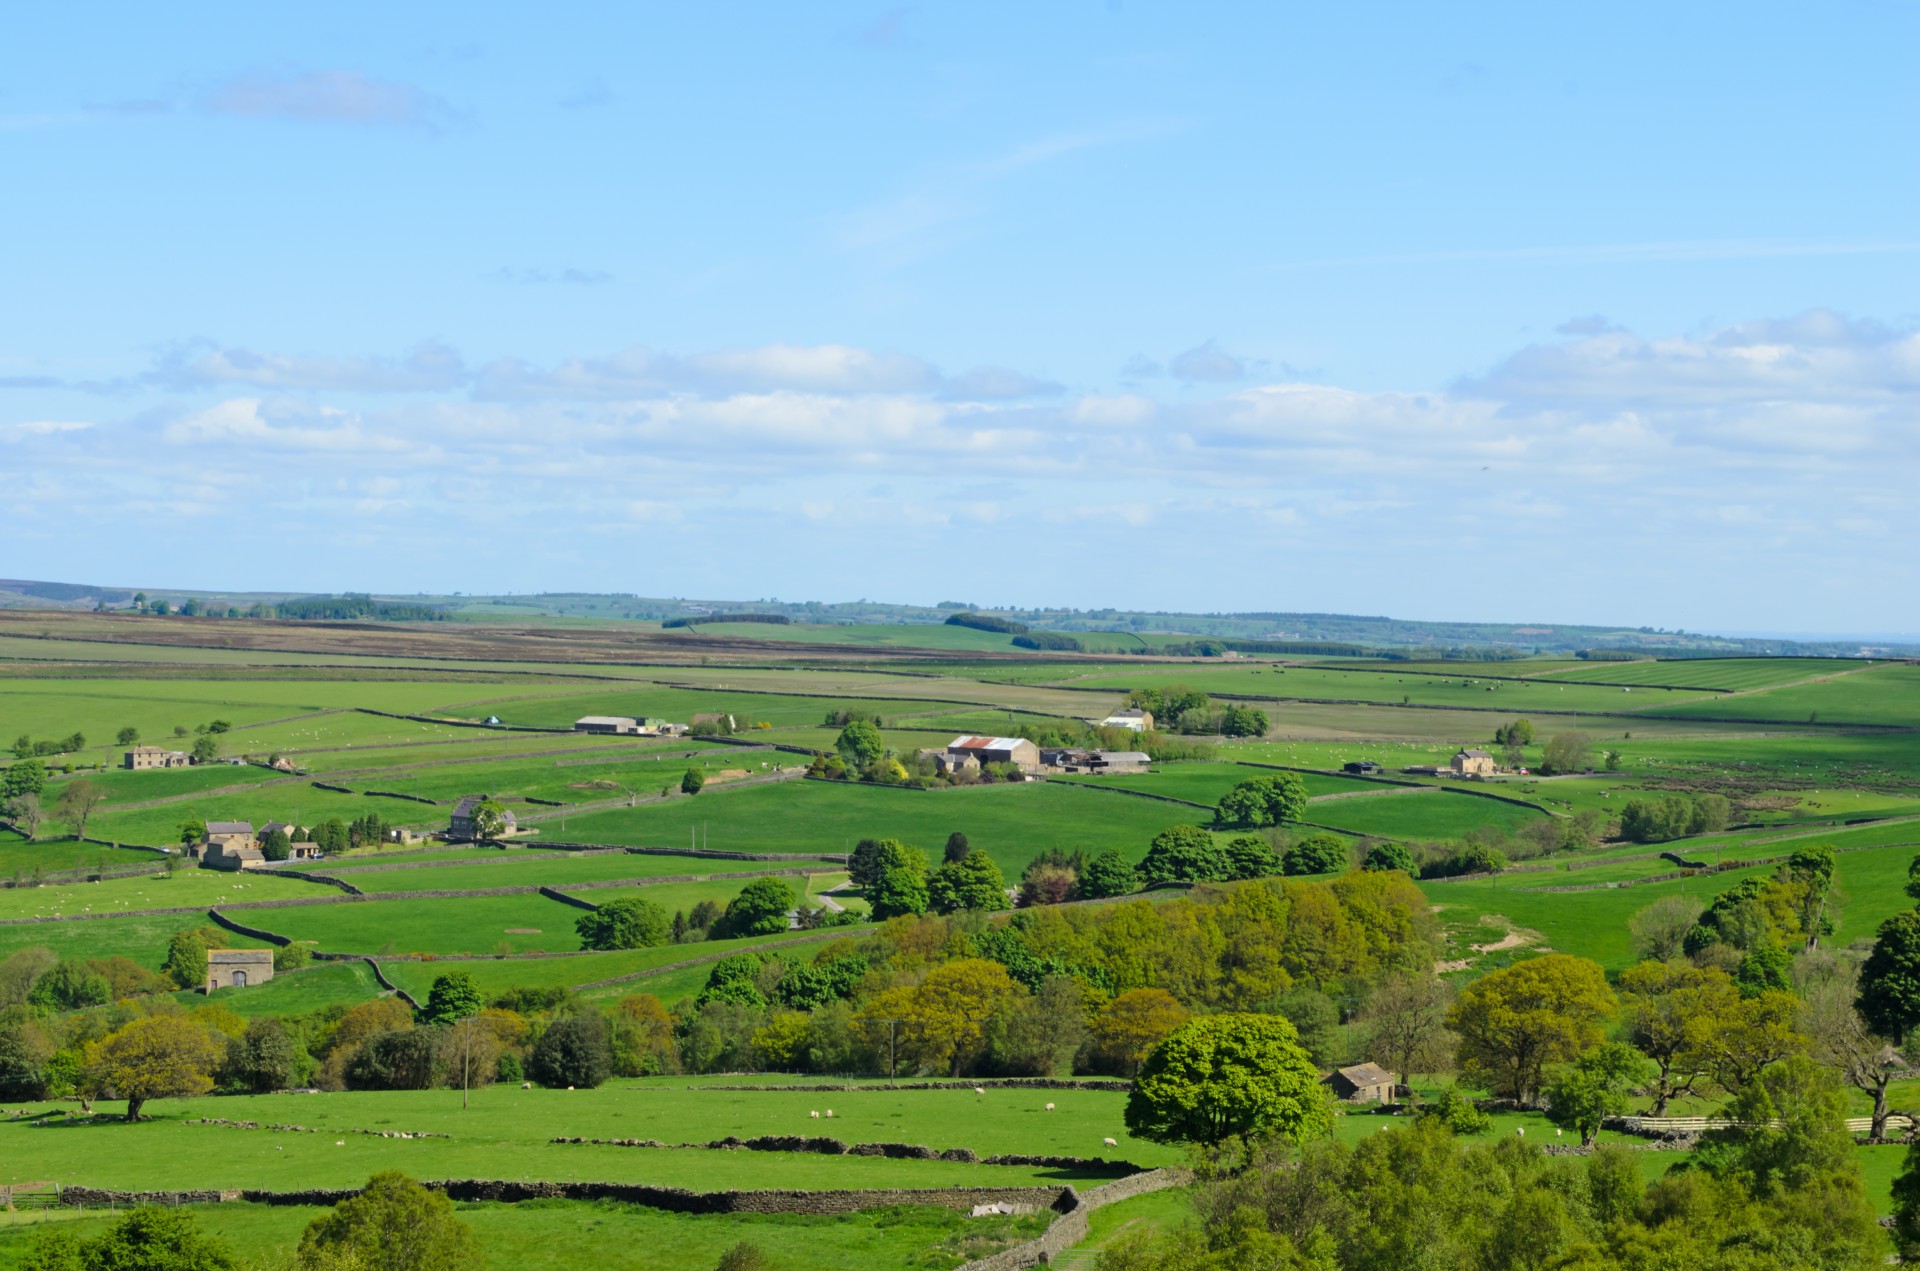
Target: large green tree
column 1263, row 801
column 453, row 996
column 574, row 1051
column 761, row 908
column 900, row 882
column 973, row 882
column 1224, row 1077
column 1597, row 1085
column 627, row 923
column 1515, row 1022
column 860, row 743
column 1184, row 853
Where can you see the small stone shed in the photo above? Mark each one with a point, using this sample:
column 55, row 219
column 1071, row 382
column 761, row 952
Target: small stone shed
column 238, row 968
column 1362, row 1083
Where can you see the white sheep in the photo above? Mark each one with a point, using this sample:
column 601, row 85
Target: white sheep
column 526, row 1085
column 978, row 1090
column 1111, row 1142
column 1049, row 1107
column 814, row 1115
column 339, row 1142
column 829, row 1114
column 1521, row 1131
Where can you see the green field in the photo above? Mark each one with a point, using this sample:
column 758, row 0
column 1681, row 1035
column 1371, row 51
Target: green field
column 1886, row 694
column 1441, row 814
column 1727, row 674
column 142, row 938
column 471, row 924
column 188, row 886
column 19, row 858
column 1012, row 823
column 536, row 869
column 1390, row 686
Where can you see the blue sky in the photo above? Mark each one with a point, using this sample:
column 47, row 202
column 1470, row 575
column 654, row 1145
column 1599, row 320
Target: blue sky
column 1495, row 311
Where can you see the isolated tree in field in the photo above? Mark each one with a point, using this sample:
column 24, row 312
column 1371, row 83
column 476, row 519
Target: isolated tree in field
column 1660, row 930
column 1263, row 801
column 1398, row 856
column 1597, row 1085
column 394, row 1224
column 1108, row 875
column 156, row 1057
column 1184, row 853
column 1889, row 997
column 1128, row 1028
column 1224, row 1077
column 692, row 781
column 206, row 749
column 489, row 820
column 860, row 743
column 1405, row 1023
column 79, row 800
column 574, row 1051
column 1567, row 752
column 957, row 847
column 127, row 737
column 973, row 882
column 1515, row 1022
column 627, row 923
column 453, row 996
column 1315, row 854
column 761, row 908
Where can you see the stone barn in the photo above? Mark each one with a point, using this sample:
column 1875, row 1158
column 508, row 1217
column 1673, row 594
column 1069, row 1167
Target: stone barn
column 1362, row 1083
column 238, row 968
column 1018, row 751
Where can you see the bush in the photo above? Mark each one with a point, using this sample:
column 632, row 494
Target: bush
column 628, row 923
column 1316, row 854
column 1458, row 1113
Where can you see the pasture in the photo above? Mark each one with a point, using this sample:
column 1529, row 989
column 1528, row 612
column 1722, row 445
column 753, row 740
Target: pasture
column 1390, row 686
column 1011, row 823
column 1884, row 694
column 525, row 923
column 188, row 886
column 141, row 938
column 1441, row 813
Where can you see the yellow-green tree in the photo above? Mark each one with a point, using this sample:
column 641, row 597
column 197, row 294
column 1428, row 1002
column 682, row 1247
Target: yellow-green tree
column 393, row 1223
column 1516, row 1021
column 157, row 1057
column 1674, row 1013
column 1128, row 1028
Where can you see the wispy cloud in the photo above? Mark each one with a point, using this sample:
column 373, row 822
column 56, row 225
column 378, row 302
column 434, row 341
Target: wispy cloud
column 330, row 96
column 1612, row 253
column 427, row 367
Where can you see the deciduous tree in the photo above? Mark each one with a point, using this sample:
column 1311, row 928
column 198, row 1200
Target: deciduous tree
column 1405, row 1023
column 155, row 1057
column 1223, row 1077
column 627, row 923
column 1184, row 853
column 1514, row 1022
column 973, row 882
column 761, row 908
column 394, row 1224
column 1128, row 1028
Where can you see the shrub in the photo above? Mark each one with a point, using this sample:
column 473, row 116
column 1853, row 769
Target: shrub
column 574, row 1051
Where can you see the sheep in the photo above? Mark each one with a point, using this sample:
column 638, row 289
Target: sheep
column 829, row 1114
column 339, row 1142
column 814, row 1115
column 526, row 1085
column 1049, row 1107
column 1521, row 1131
column 978, row 1090
column 1111, row 1142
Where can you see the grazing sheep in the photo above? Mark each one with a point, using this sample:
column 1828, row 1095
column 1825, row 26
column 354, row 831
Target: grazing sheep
column 978, row 1090
column 339, row 1142
column 814, row 1115
column 1049, row 1107
column 569, row 1087
column 1521, row 1131
column 526, row 1085
column 829, row 1114
column 1557, row 1133
column 1111, row 1142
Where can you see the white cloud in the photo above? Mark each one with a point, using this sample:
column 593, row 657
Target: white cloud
column 428, row 367
column 41, row 428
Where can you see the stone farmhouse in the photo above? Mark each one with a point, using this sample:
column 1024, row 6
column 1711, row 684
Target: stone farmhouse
column 230, row 845
column 461, row 826
column 1132, row 718
column 238, row 968
column 1362, row 1083
column 1017, row 751
column 141, row 758
column 1474, row 763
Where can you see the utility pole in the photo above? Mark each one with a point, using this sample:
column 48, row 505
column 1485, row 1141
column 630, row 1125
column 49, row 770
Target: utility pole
column 891, row 1056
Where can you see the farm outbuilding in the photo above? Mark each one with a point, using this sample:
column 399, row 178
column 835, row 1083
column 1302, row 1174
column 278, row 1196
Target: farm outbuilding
column 1362, row 1083
column 1018, row 751
column 1132, row 718
column 238, row 968
column 1361, row 767
column 1117, row 761
column 606, row 724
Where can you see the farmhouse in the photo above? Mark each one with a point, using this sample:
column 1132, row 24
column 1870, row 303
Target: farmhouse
column 461, row 826
column 230, row 851
column 238, row 968
column 606, row 724
column 1018, row 751
column 229, row 834
column 1473, row 763
column 141, row 758
column 1136, row 720
column 1362, row 1083
column 286, row 828
column 947, row 764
